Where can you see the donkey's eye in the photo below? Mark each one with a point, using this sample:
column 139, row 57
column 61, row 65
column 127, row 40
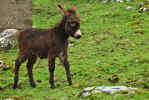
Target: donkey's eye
column 73, row 24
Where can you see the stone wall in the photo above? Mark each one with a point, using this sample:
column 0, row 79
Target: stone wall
column 16, row 14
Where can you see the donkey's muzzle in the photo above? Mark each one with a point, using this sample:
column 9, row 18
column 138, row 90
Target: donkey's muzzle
column 78, row 34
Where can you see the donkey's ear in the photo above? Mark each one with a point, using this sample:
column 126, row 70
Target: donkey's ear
column 74, row 8
column 64, row 10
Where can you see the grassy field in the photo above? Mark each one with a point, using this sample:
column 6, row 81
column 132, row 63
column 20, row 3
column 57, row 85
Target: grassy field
column 115, row 44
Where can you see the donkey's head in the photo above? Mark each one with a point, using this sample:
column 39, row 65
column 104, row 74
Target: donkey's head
column 71, row 22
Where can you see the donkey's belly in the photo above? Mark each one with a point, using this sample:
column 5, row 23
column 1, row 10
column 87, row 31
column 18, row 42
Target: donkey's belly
column 43, row 55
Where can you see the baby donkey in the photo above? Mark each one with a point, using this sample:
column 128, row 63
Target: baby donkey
column 48, row 43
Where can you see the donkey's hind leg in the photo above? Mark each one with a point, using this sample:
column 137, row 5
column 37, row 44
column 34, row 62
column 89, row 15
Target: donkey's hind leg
column 18, row 63
column 30, row 63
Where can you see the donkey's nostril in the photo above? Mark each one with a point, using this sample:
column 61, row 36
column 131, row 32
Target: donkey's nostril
column 78, row 36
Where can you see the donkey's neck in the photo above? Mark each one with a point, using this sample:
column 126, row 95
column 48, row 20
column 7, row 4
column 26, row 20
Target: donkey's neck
column 60, row 29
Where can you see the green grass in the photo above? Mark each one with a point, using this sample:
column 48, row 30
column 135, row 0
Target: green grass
column 115, row 43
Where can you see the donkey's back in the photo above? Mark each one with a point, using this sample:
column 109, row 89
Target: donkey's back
column 37, row 42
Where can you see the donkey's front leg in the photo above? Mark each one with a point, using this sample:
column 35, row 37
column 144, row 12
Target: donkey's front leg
column 51, row 71
column 64, row 61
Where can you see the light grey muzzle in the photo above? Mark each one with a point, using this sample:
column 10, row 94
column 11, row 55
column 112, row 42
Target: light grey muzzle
column 78, row 34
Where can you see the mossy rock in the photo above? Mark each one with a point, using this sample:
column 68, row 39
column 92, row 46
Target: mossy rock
column 14, row 98
column 139, row 31
column 5, row 63
column 125, row 92
column 136, row 15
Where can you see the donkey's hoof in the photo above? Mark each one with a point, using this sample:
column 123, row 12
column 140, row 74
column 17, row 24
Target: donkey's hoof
column 70, row 83
column 33, row 85
column 16, row 87
column 53, row 87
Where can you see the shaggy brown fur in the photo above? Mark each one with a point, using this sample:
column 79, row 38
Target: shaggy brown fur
column 48, row 43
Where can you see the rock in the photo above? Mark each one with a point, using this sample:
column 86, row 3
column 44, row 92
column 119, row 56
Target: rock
column 10, row 99
column 1, row 64
column 34, row 27
column 136, row 60
column 86, row 94
column 141, row 10
column 6, row 67
column 105, row 1
column 14, row 98
column 130, row 8
column 98, row 61
column 119, row 0
column 113, row 79
column 88, row 88
column 15, row 14
column 128, row 0
column 8, row 38
column 9, row 32
column 107, row 89
column 141, row 4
